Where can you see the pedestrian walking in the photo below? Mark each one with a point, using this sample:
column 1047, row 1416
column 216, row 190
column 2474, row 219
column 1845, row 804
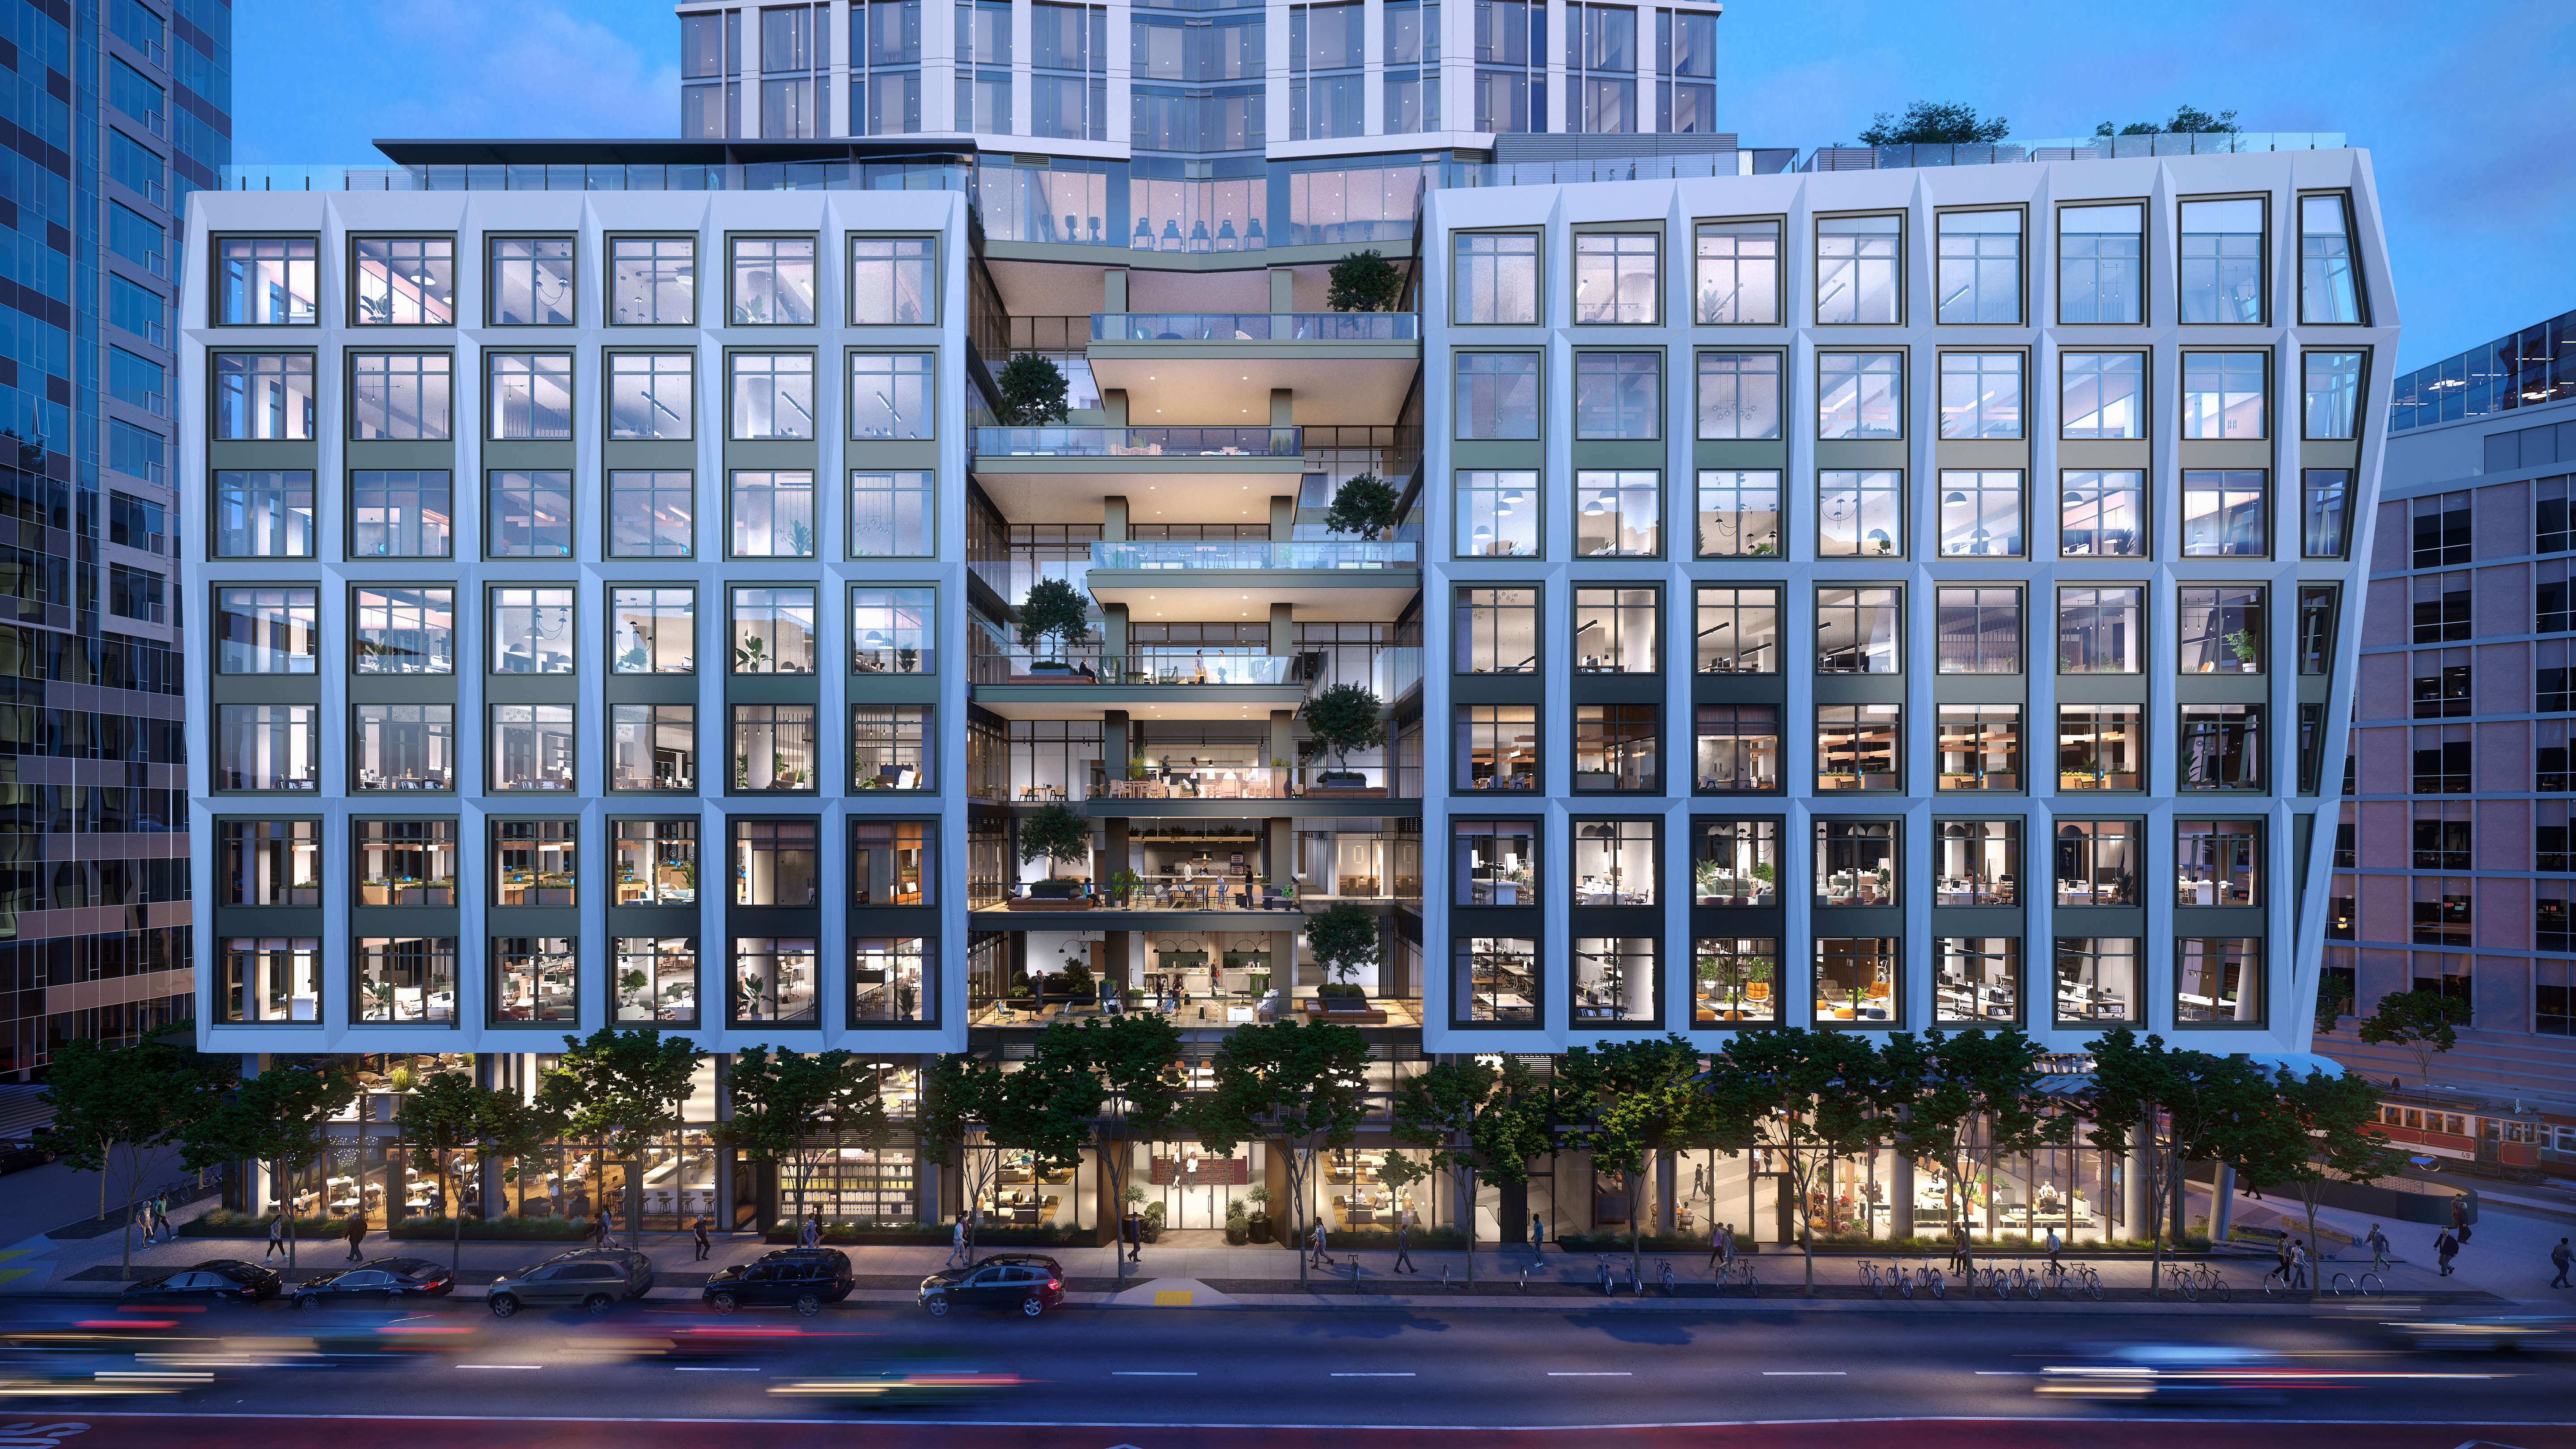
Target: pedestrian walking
column 606, row 1228
column 1960, row 1262
column 2298, row 1262
column 357, row 1235
column 1721, row 1245
column 2280, row 1263
column 276, row 1236
column 1316, row 1257
column 2446, row 1247
column 1135, row 1231
column 1538, row 1235
column 700, row 1232
column 1404, row 1249
column 161, row 1217
column 2561, row 1257
column 957, row 1243
column 812, row 1236
column 2378, row 1242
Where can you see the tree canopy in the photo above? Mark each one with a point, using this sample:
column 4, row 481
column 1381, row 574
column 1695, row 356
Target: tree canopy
column 1343, row 939
column 1364, row 505
column 2422, row 1023
column 1034, row 391
column 1343, row 718
column 1304, row 1084
column 118, row 1110
column 1365, row 282
column 2185, row 120
column 1935, row 123
column 1053, row 832
column 1054, row 609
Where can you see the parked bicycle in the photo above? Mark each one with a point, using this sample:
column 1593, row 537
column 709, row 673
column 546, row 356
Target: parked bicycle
column 1871, row 1280
column 1739, row 1273
column 1604, row 1260
column 1664, row 1270
column 2196, row 1279
column 1922, row 1277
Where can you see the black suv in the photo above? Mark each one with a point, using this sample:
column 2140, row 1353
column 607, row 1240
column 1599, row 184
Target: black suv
column 806, row 1277
column 217, row 1280
column 1029, row 1282
column 595, row 1278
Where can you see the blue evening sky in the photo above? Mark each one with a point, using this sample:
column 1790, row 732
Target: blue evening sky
column 2464, row 106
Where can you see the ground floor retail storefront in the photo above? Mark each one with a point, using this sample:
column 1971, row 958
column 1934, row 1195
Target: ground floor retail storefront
column 1177, row 1185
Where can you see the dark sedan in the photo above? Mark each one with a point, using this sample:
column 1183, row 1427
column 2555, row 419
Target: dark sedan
column 1028, row 1282
column 217, row 1280
column 805, row 1277
column 385, row 1280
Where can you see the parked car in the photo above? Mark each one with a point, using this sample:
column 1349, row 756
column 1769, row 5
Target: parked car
column 216, row 1280
column 17, row 1154
column 385, row 1280
column 595, row 1278
column 805, row 1277
column 1028, row 1282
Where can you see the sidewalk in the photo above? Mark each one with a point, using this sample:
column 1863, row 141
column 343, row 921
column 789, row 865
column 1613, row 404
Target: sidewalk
column 2507, row 1254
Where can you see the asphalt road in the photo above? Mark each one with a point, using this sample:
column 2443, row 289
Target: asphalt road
column 1268, row 1370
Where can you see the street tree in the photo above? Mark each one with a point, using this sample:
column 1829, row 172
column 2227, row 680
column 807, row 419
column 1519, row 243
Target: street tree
column 1034, row 391
column 974, row 1111
column 1303, row 1086
column 1363, row 505
column 1806, row 1096
column 1935, row 123
column 2174, row 1107
column 447, row 1116
column 120, row 1111
column 2422, row 1023
column 281, row 1117
column 1483, row 1123
column 2319, row 1130
column 785, row 1102
column 960, row 1095
column 623, row 1091
column 1134, row 1056
column 1971, row 1100
column 1630, row 1102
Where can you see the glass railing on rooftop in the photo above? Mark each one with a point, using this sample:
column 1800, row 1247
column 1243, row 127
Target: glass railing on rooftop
column 1192, row 667
column 1252, row 326
column 1137, row 442
column 1239, row 553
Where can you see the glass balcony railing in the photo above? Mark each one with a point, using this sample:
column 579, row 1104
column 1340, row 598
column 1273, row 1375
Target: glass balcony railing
column 1138, row 443
column 1238, row 553
column 1320, row 781
column 1253, row 327
column 1189, row 667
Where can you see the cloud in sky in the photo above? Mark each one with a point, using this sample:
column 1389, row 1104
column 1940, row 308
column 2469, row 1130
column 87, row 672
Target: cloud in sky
column 2461, row 105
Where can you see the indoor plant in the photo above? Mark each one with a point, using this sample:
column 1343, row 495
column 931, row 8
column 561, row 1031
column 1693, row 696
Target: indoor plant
column 1344, row 718
column 1053, row 610
column 1053, row 832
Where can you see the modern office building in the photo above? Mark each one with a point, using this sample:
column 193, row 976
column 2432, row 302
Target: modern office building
column 118, row 112
column 1904, row 590
column 2452, row 857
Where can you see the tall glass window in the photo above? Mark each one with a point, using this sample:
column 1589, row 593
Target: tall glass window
column 2333, row 391
column 894, row 281
column 2221, row 258
column 1615, row 277
column 1497, row 395
column 1496, row 278
column 2222, row 512
column 892, row 515
column 1981, row 395
column 1978, row 747
column 1619, row 514
column 2097, row 980
column 2222, row 747
column 656, row 979
column 264, row 396
column 773, row 281
column 650, row 513
column 653, row 281
column 651, row 396
column 1497, row 631
column 1976, row 862
column 2100, row 630
column 528, row 513
column 1495, row 862
column 891, row 395
column 406, row 281
column 534, row 981
column 2100, row 271
column 2222, row 629
column 653, row 747
column 406, row 981
column 1497, row 514
column 2223, row 395
column 2327, row 293
column 1978, row 630
column 271, row 862
column 2099, row 862
column 532, row 631
column 2102, row 395
column 532, row 747
column 265, row 282
column 1738, row 284
column 2099, row 747
column 2324, row 508
column 1735, row 747
column 532, row 281
column 2102, row 513
column 894, row 747
column 530, row 396
column 1618, row 395
column 1738, row 630
column 1735, row 979
column 1856, row 746
column 1977, row 981
column 894, row 631
column 773, row 631
column 399, row 513
column 773, row 747
column 1614, row 631
column 265, row 631
column 1739, row 513
column 1739, row 395
column 403, row 631
column 1859, row 269
column 272, row 978
column 1859, row 981
column 773, row 513
column 1981, row 513
column 263, row 513
column 772, row 393
column 653, row 631
column 399, row 396
column 1980, row 267
column 1497, row 747
column 1860, row 513
column 1615, row 747
column 1860, row 395
column 2218, row 979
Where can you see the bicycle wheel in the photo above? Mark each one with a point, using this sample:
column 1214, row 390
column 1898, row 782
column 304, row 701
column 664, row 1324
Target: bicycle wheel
column 1752, row 1288
column 1668, row 1280
column 2031, row 1286
column 1940, row 1285
column 2093, row 1284
column 1905, row 1283
column 2190, row 1287
column 2218, row 1286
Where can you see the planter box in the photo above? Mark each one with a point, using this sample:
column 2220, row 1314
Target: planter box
column 1048, row 903
column 1363, row 1015
column 1346, row 792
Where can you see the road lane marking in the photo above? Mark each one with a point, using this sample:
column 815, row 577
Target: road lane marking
column 1152, row 1374
column 1803, row 1373
column 1372, row 1376
column 2007, row 1374
column 1590, row 1375
column 500, row 1365
column 691, row 1368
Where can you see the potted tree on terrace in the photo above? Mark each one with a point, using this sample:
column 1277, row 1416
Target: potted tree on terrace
column 1364, row 505
column 1051, row 833
column 1054, row 610
column 1342, row 719
column 1365, row 282
column 1344, row 939
column 1034, row 391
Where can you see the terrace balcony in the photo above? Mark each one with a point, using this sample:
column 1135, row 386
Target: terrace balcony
column 1060, row 475
column 1323, row 579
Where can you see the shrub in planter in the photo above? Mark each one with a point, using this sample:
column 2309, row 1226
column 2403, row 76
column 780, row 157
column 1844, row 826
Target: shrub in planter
column 1344, row 718
column 494, row 1230
column 1238, row 1225
column 1154, row 1222
column 1259, row 1224
column 225, row 1223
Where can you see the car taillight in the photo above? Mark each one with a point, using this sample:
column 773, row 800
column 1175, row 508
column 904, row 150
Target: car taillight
column 1055, row 1283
